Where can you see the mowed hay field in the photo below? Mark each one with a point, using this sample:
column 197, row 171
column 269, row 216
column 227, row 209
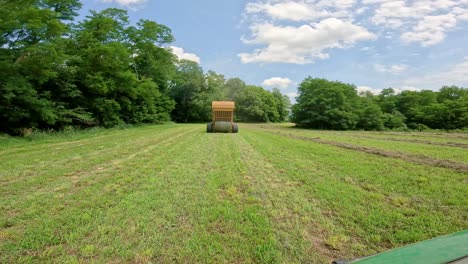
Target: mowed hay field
column 270, row 194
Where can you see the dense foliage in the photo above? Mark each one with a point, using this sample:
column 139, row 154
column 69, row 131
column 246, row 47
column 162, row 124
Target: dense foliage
column 56, row 73
column 104, row 71
column 193, row 92
column 326, row 104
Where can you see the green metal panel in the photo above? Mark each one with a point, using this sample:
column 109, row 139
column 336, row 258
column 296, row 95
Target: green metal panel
column 444, row 249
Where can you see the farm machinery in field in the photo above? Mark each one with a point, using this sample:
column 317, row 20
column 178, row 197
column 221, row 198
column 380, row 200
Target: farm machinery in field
column 450, row 249
column 222, row 114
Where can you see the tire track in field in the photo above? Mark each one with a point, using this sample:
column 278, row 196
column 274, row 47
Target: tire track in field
column 418, row 159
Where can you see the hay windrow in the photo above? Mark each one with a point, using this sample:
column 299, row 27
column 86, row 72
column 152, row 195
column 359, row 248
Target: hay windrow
column 418, row 159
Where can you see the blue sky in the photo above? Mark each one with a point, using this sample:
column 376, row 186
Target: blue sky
column 374, row 44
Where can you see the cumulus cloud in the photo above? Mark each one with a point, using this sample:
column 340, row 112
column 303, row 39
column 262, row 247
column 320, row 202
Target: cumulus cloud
column 295, row 11
column 394, row 69
column 302, row 31
column 430, row 30
column 424, row 21
column 376, row 91
column 277, row 82
column 456, row 74
column 407, row 88
column 126, row 3
column 182, row 55
column 364, row 89
column 302, row 44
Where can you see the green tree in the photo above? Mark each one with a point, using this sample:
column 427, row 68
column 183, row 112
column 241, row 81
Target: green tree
column 371, row 117
column 122, row 72
column 249, row 104
column 326, row 105
column 413, row 104
column 211, row 91
column 232, row 87
column 283, row 105
column 31, row 53
column 387, row 100
column 255, row 104
column 395, row 120
column 189, row 82
column 451, row 93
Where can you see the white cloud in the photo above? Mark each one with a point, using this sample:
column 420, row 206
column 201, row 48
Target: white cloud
column 454, row 75
column 295, row 11
column 277, row 82
column 394, row 69
column 126, row 3
column 361, row 10
column 423, row 22
column 302, row 44
column 407, row 88
column 363, row 89
column 461, row 13
column 375, row 91
column 182, row 55
column 431, row 30
column 292, row 96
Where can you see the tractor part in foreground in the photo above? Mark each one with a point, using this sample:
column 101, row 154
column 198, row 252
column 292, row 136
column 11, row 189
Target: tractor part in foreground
column 452, row 248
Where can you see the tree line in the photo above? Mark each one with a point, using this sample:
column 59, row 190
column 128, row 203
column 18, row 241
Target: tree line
column 324, row 104
column 57, row 73
column 104, row 71
column 193, row 91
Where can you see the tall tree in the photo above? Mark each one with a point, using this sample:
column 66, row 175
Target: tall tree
column 188, row 83
column 326, row 105
column 31, row 54
column 232, row 87
column 255, row 104
column 283, row 105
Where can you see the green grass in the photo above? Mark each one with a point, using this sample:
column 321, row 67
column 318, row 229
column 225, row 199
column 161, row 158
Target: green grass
column 172, row 193
column 414, row 146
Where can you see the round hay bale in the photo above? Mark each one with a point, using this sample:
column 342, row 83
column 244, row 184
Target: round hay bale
column 222, row 126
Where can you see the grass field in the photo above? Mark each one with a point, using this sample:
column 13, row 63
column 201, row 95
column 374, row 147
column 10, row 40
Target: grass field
column 270, row 194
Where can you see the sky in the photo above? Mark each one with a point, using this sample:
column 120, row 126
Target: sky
column 373, row 44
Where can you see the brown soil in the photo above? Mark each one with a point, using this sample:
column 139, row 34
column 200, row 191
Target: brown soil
column 418, row 159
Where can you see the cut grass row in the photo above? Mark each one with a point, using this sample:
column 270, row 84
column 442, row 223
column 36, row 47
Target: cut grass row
column 176, row 194
column 368, row 200
column 164, row 205
column 436, row 137
column 367, row 139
